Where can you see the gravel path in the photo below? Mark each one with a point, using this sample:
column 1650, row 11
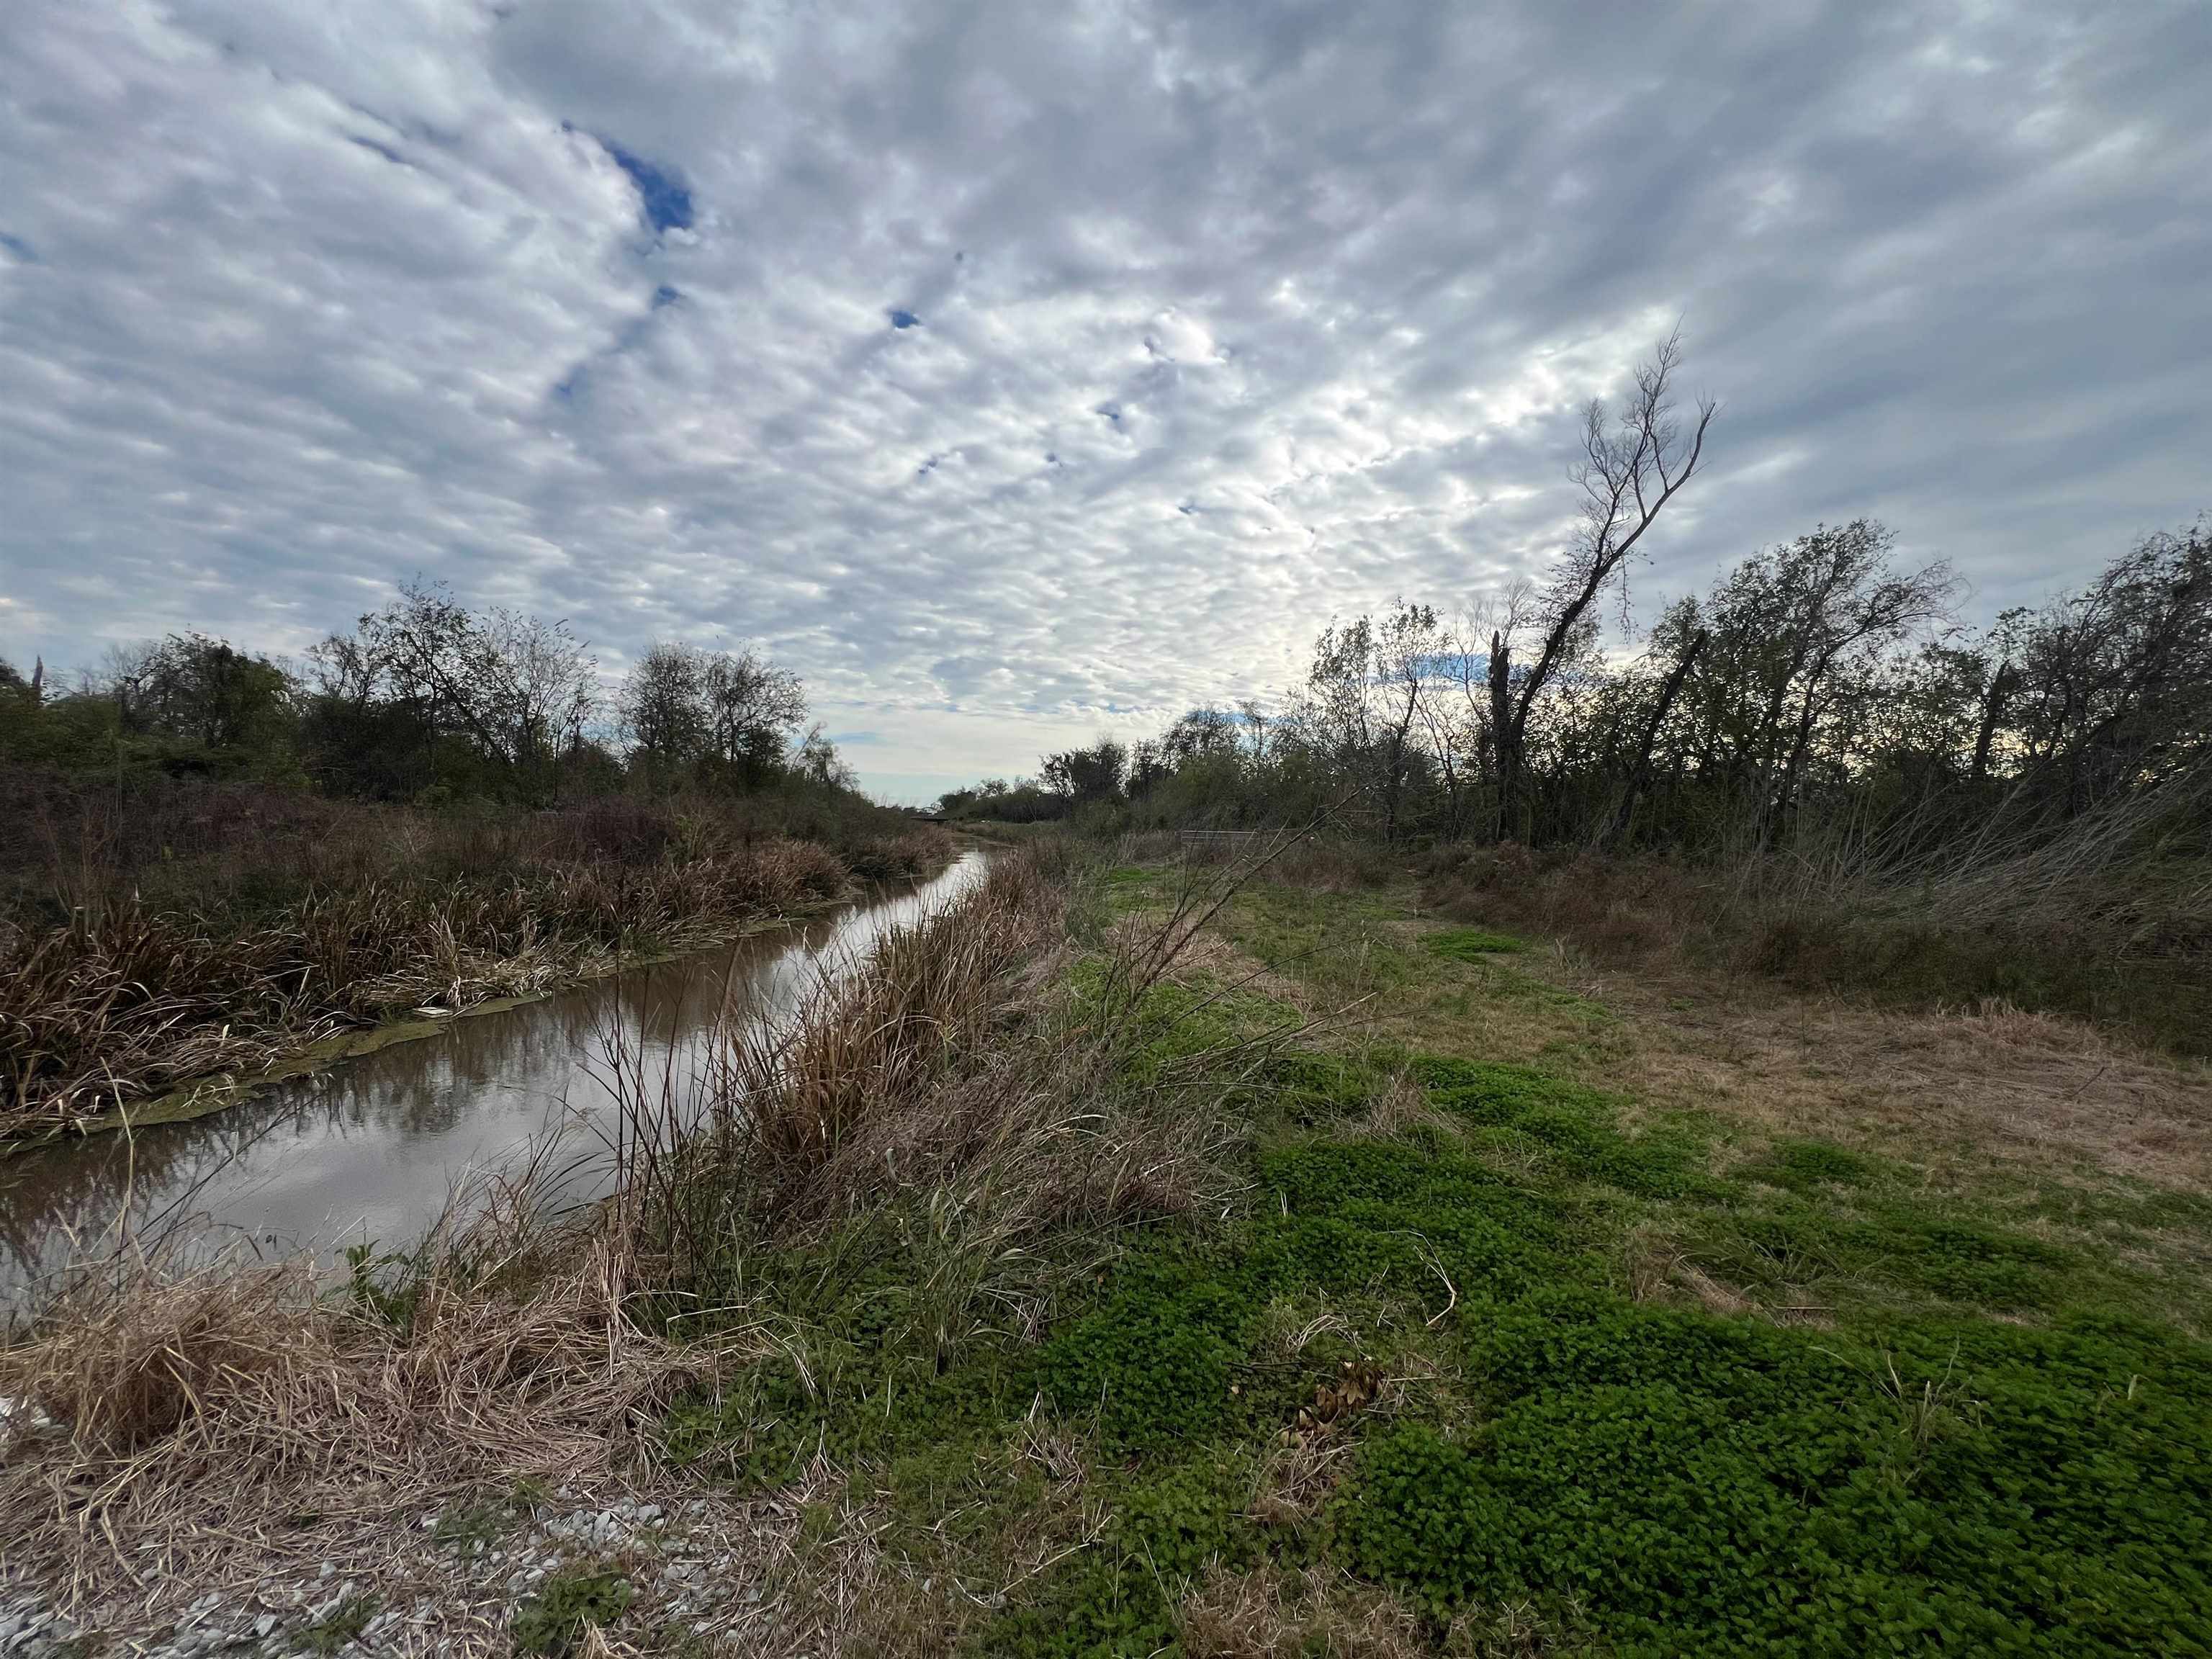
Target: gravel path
column 688, row 1573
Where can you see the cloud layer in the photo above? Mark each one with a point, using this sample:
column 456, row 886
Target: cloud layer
column 1015, row 370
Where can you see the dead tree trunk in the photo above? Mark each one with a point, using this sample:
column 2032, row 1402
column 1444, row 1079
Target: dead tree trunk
column 1505, row 737
column 1993, row 705
column 1639, row 776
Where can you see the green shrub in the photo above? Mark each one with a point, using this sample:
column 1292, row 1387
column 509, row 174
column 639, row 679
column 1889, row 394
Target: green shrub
column 552, row 1621
column 1896, row 1248
column 1152, row 1363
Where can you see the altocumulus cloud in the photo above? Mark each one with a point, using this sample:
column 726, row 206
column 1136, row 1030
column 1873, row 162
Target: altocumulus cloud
column 1013, row 370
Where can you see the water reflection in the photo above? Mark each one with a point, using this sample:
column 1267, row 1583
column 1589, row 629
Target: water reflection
column 372, row 1148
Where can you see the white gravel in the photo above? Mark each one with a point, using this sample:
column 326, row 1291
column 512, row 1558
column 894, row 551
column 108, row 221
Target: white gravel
column 677, row 1565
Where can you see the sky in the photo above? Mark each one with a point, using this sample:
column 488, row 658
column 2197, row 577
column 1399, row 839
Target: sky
column 1017, row 373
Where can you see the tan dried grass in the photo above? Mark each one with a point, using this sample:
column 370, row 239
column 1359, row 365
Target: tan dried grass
column 1217, row 958
column 870, row 1045
column 2048, row 1093
column 2043, row 1091
column 194, row 1432
column 1402, row 1109
column 1325, row 1614
column 126, row 1002
column 1297, row 1478
column 953, row 1062
column 839, row 1576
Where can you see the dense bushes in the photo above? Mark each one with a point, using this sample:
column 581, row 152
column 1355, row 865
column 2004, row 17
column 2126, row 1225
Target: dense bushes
column 2130, row 945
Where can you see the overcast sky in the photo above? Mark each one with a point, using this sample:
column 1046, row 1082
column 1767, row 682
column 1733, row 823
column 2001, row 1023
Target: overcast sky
column 1016, row 372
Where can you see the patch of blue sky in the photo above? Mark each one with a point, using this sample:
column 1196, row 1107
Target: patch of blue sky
column 662, row 197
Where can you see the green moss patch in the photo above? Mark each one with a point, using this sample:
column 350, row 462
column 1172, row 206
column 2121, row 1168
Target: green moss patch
column 1472, row 944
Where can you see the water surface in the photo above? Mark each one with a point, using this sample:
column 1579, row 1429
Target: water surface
column 372, row 1148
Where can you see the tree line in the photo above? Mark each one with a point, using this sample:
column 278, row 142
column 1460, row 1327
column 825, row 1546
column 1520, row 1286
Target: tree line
column 1823, row 689
column 425, row 700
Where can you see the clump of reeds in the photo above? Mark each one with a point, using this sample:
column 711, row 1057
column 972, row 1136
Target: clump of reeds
column 872, row 1043
column 769, row 1134
column 962, row 1080
column 214, row 1423
column 124, row 1001
column 121, row 1372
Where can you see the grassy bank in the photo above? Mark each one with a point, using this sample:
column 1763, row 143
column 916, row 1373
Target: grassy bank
column 164, row 932
column 2123, row 943
column 1121, row 1266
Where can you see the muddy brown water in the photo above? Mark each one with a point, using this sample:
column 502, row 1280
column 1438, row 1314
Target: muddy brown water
column 372, row 1148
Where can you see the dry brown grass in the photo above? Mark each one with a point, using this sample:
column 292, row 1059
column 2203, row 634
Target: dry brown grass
column 2041, row 1091
column 1659, row 1271
column 1402, row 1110
column 1297, row 1477
column 1326, row 865
column 2083, row 925
column 1265, row 1613
column 2049, row 1092
column 126, row 1001
column 872, row 1044
column 204, row 1430
column 1210, row 954
column 840, row 1578
column 955, row 1070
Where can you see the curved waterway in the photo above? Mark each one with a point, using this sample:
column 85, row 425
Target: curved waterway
column 372, row 1147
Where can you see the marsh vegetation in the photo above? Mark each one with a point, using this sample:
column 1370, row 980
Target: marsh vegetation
column 210, row 861
column 1142, row 1255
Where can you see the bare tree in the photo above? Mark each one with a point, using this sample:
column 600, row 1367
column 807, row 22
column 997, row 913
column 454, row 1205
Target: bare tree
column 1255, row 716
column 518, row 689
column 1406, row 649
column 1631, row 468
column 752, row 708
column 818, row 759
column 429, row 650
column 540, row 685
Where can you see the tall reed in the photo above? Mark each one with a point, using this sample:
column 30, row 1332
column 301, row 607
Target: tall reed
column 131, row 992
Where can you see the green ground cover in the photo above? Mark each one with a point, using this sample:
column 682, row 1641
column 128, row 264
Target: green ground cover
column 1558, row 1372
